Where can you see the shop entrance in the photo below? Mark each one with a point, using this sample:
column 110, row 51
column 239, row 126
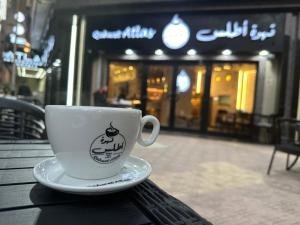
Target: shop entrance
column 209, row 97
column 190, row 80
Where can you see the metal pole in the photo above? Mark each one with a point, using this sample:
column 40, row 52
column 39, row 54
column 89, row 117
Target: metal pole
column 13, row 72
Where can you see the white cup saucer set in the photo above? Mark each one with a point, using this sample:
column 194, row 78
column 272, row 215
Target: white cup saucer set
column 92, row 148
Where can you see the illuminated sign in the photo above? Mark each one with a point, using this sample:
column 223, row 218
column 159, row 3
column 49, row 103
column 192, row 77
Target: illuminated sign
column 3, row 8
column 22, row 59
column 235, row 29
column 176, row 34
column 183, row 81
column 130, row 32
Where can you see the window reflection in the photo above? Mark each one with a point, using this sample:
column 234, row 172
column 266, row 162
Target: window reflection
column 189, row 94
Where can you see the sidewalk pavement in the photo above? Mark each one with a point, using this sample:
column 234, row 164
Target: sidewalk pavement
column 226, row 181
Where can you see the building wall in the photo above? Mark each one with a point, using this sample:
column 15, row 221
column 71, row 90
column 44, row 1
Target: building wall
column 271, row 87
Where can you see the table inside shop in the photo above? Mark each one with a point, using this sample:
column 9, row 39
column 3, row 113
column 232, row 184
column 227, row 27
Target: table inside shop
column 25, row 201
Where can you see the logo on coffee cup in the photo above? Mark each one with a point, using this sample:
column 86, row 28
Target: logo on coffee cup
column 108, row 147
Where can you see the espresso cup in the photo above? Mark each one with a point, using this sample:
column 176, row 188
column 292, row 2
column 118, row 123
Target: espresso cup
column 94, row 142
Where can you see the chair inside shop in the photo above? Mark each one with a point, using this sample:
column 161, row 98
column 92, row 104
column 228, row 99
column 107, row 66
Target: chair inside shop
column 243, row 123
column 287, row 140
column 21, row 120
column 264, row 127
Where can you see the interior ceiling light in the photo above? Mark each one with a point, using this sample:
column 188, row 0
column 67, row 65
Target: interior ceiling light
column 218, row 69
column 227, row 67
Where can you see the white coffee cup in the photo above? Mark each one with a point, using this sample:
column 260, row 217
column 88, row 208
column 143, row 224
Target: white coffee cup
column 94, row 142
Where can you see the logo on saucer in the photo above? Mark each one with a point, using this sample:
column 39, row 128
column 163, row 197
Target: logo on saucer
column 176, row 34
column 108, row 147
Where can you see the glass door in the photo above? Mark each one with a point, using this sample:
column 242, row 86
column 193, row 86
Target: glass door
column 189, row 96
column 159, row 88
column 232, row 93
column 124, row 86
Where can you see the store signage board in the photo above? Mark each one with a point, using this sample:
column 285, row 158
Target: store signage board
column 180, row 32
column 130, row 32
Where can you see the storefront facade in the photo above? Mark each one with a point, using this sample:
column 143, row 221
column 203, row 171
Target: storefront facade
column 201, row 72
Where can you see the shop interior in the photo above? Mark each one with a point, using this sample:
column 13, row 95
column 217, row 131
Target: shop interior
column 175, row 93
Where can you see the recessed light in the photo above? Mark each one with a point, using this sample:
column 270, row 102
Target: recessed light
column 129, row 51
column 264, row 53
column 158, row 52
column 191, row 52
column 226, row 52
column 227, row 67
column 218, row 69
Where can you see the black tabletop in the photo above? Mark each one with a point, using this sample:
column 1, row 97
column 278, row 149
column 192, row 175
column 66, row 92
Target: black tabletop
column 23, row 201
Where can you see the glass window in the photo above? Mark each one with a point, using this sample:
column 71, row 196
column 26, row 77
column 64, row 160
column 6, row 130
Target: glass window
column 124, row 88
column 159, row 87
column 232, row 96
column 189, row 94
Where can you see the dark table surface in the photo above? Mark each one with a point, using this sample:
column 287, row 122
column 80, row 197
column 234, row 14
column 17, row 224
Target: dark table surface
column 23, row 201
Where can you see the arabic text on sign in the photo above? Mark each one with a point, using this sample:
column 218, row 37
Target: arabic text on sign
column 236, row 29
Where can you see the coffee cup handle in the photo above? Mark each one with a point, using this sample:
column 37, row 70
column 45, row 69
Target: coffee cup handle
column 155, row 131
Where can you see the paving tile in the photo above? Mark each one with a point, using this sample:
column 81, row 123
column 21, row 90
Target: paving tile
column 226, row 181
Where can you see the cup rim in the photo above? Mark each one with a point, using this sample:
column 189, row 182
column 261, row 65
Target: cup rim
column 93, row 108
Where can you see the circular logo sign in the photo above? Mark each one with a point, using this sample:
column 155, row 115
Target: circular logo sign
column 109, row 146
column 176, row 34
column 183, row 81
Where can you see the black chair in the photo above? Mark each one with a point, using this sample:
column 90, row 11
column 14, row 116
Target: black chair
column 287, row 139
column 243, row 123
column 225, row 121
column 21, row 120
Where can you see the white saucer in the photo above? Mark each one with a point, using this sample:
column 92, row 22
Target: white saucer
column 51, row 174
